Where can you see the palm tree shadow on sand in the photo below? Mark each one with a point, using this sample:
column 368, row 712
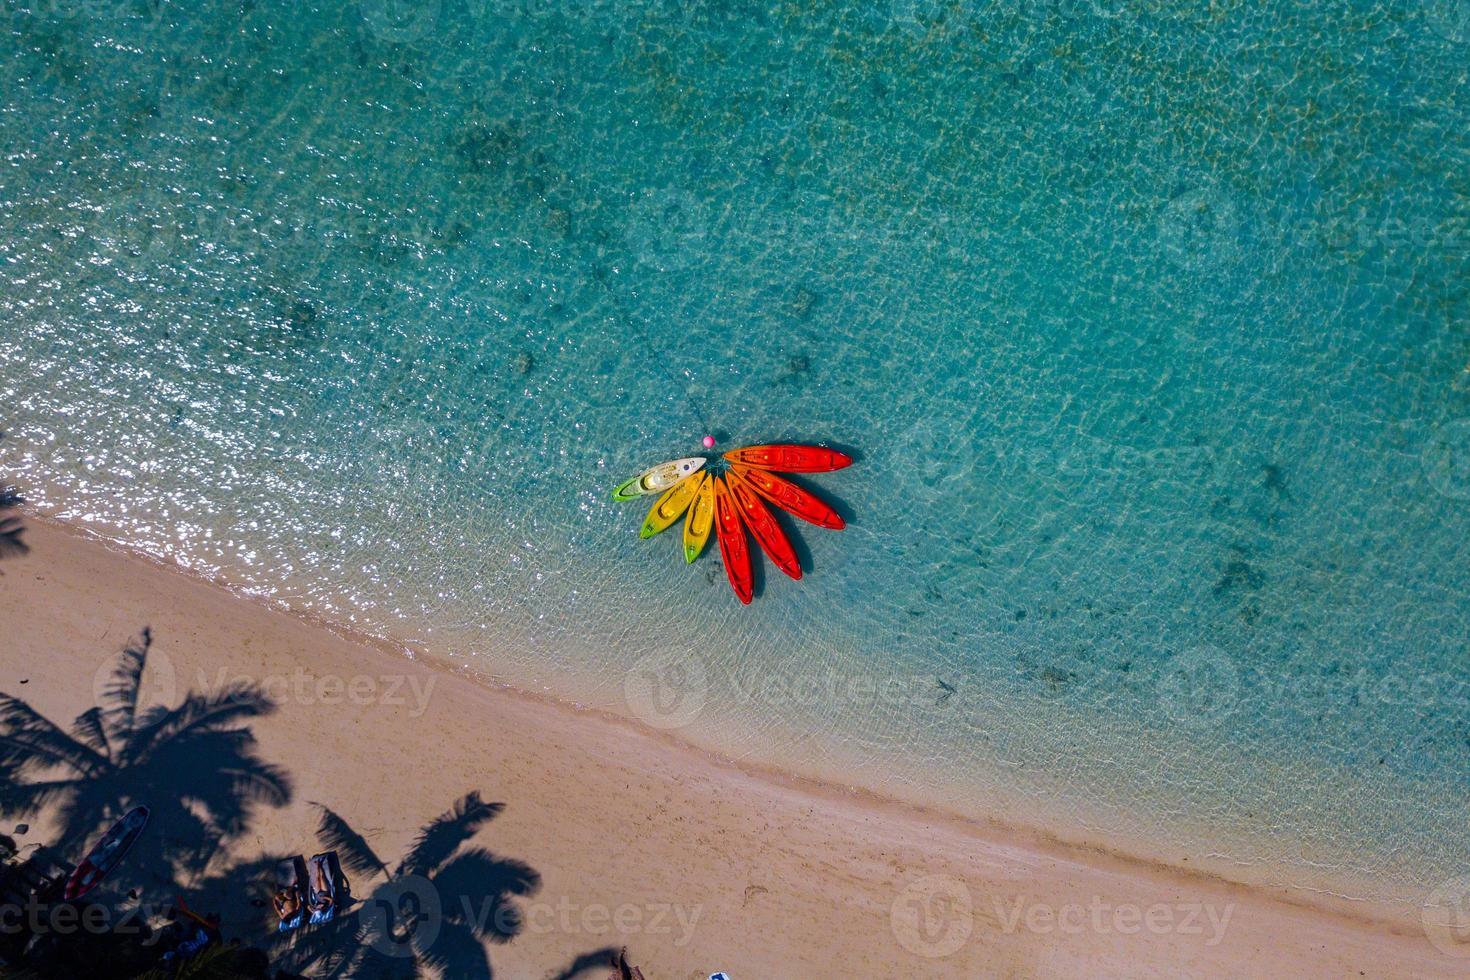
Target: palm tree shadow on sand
column 194, row 765
column 430, row 915
column 12, row 528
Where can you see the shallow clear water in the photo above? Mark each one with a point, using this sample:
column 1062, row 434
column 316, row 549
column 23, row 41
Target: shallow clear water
column 1148, row 326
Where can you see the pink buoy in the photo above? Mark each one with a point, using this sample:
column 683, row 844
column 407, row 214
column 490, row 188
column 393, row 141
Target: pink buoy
column 709, row 442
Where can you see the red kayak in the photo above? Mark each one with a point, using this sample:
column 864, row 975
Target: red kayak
column 763, row 525
column 791, row 498
column 734, row 549
column 790, row 458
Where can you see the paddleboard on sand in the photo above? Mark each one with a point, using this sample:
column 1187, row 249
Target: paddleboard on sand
column 107, row 853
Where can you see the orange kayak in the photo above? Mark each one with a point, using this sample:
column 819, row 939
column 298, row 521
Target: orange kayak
column 734, row 549
column 791, row 498
column 790, row 458
column 763, row 525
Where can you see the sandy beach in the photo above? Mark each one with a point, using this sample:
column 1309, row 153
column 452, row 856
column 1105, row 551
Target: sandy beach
column 624, row 837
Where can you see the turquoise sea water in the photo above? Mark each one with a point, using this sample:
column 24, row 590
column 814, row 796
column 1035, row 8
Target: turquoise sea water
column 1149, row 324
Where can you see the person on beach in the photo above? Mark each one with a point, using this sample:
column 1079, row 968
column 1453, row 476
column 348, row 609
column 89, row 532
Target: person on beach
column 321, row 900
column 287, row 902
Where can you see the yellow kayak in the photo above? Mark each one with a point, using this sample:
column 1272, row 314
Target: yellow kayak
column 701, row 520
column 672, row 505
column 657, row 479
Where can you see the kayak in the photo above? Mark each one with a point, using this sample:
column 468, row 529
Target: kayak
column 107, row 853
column 763, row 525
column 790, row 458
column 672, row 505
column 734, row 549
column 701, row 520
column 791, row 498
column 657, row 479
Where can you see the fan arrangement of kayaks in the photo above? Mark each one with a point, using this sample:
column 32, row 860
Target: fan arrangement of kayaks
column 731, row 502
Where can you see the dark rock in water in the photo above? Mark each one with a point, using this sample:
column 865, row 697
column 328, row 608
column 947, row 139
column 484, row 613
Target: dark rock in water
column 457, row 233
column 802, row 302
column 483, row 146
column 796, row 368
column 303, row 315
column 524, row 363
column 1056, row 677
column 1239, row 573
column 1274, row 479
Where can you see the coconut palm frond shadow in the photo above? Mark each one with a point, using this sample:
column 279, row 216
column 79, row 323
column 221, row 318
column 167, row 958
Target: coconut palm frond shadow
column 353, row 850
column 11, row 545
column 430, row 915
column 11, row 528
column 594, row 962
column 194, row 764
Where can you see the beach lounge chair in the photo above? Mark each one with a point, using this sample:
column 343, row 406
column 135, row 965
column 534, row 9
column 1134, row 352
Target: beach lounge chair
column 327, row 887
column 291, row 877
